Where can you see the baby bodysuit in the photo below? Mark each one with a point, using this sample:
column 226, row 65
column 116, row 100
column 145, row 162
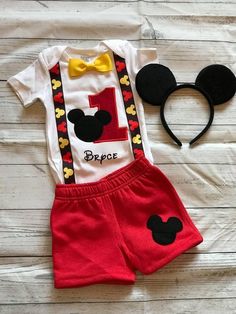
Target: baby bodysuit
column 94, row 117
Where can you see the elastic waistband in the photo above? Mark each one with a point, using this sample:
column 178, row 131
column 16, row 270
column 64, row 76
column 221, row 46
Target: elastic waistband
column 111, row 182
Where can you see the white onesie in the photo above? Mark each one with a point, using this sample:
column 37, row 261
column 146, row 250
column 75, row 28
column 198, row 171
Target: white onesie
column 94, row 116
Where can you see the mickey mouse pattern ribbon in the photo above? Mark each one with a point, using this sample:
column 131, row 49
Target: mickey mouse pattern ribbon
column 61, row 123
column 130, row 108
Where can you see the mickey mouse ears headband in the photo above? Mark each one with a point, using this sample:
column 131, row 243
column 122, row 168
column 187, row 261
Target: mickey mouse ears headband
column 155, row 83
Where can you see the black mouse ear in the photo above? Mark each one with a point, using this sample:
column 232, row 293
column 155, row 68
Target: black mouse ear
column 218, row 82
column 153, row 222
column 103, row 116
column 153, row 82
column 75, row 115
column 175, row 224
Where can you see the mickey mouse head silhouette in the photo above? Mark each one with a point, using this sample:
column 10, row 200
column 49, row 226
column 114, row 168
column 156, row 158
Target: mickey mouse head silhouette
column 155, row 83
column 164, row 232
column 89, row 128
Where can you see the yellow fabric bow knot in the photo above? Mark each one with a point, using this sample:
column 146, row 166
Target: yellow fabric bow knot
column 78, row 67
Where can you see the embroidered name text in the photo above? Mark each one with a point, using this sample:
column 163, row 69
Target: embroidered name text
column 89, row 156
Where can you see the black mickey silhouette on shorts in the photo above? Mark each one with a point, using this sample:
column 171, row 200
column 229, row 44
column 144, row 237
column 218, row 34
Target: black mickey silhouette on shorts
column 89, row 128
column 164, row 232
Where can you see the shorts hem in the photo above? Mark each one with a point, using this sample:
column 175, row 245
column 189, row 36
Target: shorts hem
column 122, row 279
column 181, row 249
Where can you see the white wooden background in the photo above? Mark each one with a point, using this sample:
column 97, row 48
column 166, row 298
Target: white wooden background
column 189, row 35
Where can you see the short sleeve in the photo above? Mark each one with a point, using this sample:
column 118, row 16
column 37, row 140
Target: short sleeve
column 146, row 55
column 30, row 83
column 138, row 57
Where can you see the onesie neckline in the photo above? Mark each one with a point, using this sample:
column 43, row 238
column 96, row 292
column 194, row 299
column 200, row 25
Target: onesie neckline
column 102, row 47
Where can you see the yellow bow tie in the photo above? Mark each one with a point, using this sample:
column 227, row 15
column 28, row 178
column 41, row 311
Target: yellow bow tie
column 78, row 67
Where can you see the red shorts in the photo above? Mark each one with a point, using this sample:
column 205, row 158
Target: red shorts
column 130, row 220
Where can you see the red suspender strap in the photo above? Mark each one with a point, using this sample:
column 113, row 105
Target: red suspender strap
column 130, row 108
column 61, row 122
